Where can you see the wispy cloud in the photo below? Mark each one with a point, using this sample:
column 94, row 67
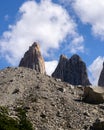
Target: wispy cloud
column 6, row 17
column 77, row 45
column 95, row 69
column 91, row 12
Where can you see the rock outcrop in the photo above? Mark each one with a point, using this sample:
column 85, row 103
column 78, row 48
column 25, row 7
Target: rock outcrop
column 72, row 70
column 93, row 95
column 33, row 59
column 101, row 79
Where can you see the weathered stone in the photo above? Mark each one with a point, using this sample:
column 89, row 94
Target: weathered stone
column 15, row 91
column 101, row 78
column 61, row 89
column 93, row 95
column 98, row 124
column 72, row 71
column 101, row 106
column 86, row 113
column 33, row 59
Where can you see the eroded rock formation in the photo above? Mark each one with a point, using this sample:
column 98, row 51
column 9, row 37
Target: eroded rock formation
column 33, row 59
column 72, row 70
column 60, row 69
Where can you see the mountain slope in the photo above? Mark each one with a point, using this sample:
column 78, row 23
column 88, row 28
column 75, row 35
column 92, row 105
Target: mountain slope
column 50, row 104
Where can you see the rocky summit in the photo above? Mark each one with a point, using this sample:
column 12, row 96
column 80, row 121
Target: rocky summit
column 33, row 59
column 60, row 69
column 49, row 103
column 101, row 79
column 72, row 70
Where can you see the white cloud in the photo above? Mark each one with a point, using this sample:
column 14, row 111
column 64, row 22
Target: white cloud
column 95, row 69
column 77, row 45
column 45, row 22
column 50, row 66
column 91, row 12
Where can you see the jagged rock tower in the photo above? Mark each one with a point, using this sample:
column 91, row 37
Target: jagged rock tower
column 101, row 78
column 60, row 69
column 33, row 59
column 72, row 70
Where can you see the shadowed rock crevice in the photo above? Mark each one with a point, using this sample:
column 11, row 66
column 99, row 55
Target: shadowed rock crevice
column 72, row 70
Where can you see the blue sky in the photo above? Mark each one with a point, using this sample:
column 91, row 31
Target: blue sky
column 60, row 26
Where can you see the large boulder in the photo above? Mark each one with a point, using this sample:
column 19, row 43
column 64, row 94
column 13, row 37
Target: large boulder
column 33, row 59
column 72, row 70
column 94, row 95
column 101, row 79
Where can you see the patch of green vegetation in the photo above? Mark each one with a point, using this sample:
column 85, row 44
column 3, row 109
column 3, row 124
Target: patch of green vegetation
column 24, row 123
column 3, row 110
column 8, row 123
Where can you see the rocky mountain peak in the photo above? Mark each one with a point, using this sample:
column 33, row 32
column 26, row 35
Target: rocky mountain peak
column 63, row 57
column 33, row 59
column 60, row 69
column 75, row 58
column 72, row 70
column 35, row 45
column 101, row 78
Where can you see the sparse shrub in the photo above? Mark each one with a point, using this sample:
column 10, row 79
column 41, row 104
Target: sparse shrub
column 8, row 123
column 24, row 123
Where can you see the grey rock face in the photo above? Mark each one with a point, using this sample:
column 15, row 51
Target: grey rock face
column 33, row 59
column 72, row 70
column 101, row 79
column 60, row 69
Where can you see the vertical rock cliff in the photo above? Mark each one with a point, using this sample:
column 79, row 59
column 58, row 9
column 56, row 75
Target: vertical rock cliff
column 72, row 70
column 101, row 78
column 60, row 69
column 33, row 59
